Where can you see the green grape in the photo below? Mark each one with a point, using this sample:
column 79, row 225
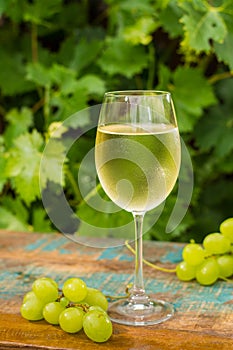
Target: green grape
column 29, row 295
column 32, row 309
column 52, row 311
column 208, row 272
column 49, row 279
column 97, row 298
column 75, row 289
column 226, row 228
column 216, row 243
column 45, row 290
column 64, row 301
column 97, row 326
column 225, row 263
column 193, row 254
column 71, row 320
column 185, row 272
column 97, row 308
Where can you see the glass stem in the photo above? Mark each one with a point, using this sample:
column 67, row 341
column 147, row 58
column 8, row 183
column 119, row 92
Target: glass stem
column 138, row 291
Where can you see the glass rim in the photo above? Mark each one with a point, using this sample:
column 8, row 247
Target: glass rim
column 120, row 93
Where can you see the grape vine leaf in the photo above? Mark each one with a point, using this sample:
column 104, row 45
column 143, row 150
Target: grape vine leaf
column 93, row 84
column 192, row 93
column 13, row 214
column 40, row 222
column 84, row 54
column 68, row 105
column 201, row 25
column 164, row 77
column 16, row 207
column 68, row 94
column 10, row 221
column 64, row 78
column 23, row 165
column 51, row 167
column 18, row 122
column 113, row 62
column 39, row 11
column 224, row 50
column 12, row 77
column 38, row 74
column 81, row 49
column 216, row 130
column 141, row 31
column 170, row 19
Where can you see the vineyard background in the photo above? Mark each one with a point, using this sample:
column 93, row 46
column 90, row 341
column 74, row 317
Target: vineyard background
column 59, row 57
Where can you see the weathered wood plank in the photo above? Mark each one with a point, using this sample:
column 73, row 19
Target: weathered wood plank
column 17, row 333
column 203, row 318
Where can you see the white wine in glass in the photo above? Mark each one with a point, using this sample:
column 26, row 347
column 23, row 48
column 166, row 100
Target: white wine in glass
column 137, row 155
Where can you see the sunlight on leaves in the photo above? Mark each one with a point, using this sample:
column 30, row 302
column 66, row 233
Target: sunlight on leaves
column 201, row 27
column 23, row 165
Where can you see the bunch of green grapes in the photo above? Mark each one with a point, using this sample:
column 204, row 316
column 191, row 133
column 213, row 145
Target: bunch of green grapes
column 74, row 307
column 210, row 261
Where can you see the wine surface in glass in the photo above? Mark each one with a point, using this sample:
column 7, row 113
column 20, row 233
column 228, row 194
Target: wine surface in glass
column 137, row 164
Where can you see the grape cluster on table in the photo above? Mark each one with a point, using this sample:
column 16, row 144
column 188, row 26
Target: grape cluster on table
column 210, row 261
column 73, row 308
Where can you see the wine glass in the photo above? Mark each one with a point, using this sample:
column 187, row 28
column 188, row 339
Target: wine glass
column 137, row 156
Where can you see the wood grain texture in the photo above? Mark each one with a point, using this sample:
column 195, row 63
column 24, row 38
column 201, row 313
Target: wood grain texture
column 203, row 317
column 17, row 332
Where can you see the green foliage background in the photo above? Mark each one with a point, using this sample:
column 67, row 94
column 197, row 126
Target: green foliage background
column 58, row 57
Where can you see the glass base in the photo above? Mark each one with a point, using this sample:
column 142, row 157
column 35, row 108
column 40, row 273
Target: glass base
column 146, row 312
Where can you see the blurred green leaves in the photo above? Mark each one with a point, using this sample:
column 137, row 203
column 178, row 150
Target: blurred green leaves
column 141, row 32
column 133, row 61
column 217, row 133
column 202, row 24
column 59, row 57
column 23, row 165
column 12, row 77
column 190, row 106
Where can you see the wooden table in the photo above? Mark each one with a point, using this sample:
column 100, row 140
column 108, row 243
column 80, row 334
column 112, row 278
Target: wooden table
column 203, row 317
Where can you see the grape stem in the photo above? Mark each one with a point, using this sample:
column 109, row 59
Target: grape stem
column 128, row 287
column 84, row 307
column 225, row 279
column 163, row 269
